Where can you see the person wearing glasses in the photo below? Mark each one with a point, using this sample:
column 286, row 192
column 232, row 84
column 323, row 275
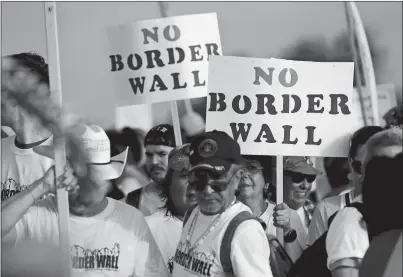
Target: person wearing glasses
column 328, row 206
column 215, row 160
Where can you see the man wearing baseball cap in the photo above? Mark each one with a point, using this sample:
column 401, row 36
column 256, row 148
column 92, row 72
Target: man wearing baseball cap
column 105, row 235
column 159, row 141
column 215, row 160
column 295, row 213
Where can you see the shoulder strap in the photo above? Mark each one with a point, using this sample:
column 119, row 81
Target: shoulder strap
column 225, row 250
column 188, row 213
column 347, row 196
column 348, row 204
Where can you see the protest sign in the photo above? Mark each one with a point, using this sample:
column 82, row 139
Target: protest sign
column 163, row 59
column 282, row 107
column 386, row 101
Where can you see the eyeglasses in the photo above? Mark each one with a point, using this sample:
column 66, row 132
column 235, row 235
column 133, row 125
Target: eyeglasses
column 253, row 167
column 357, row 166
column 300, row 177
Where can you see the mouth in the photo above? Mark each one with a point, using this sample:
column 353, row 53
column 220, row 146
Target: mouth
column 300, row 194
column 244, row 185
column 156, row 170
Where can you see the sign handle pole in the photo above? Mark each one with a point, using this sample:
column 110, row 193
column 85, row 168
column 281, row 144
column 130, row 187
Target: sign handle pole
column 366, row 60
column 59, row 143
column 176, row 123
column 356, row 59
column 163, row 6
column 279, row 192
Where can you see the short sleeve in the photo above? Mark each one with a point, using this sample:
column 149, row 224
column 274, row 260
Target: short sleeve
column 318, row 225
column 250, row 251
column 151, row 262
column 347, row 238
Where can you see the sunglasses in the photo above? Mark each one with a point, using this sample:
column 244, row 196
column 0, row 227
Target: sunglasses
column 357, row 166
column 297, row 177
column 216, row 181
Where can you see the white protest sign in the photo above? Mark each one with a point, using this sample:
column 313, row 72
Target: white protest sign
column 163, row 59
column 386, row 101
column 281, row 107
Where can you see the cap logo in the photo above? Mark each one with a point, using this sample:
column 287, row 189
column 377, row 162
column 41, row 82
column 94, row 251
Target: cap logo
column 308, row 160
column 208, row 148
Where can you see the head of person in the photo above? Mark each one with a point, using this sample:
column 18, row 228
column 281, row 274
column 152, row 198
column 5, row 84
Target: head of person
column 382, row 191
column 30, row 69
column 90, row 157
column 176, row 192
column 255, row 180
column 215, row 160
column 159, row 141
column 337, row 170
column 299, row 174
column 357, row 151
column 387, row 143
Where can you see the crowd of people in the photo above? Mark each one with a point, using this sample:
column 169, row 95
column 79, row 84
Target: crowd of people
column 198, row 209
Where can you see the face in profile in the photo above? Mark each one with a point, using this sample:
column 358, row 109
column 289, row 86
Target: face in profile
column 214, row 192
column 183, row 196
column 251, row 183
column 157, row 161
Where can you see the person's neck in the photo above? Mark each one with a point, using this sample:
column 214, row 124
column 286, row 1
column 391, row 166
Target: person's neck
column 357, row 191
column 92, row 210
column 258, row 206
column 29, row 133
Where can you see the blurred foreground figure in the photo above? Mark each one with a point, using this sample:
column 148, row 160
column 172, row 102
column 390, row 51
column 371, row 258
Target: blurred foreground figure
column 348, row 236
column 384, row 255
column 31, row 259
column 20, row 166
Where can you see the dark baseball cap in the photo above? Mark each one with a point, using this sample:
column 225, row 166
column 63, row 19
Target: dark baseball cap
column 215, row 151
column 162, row 134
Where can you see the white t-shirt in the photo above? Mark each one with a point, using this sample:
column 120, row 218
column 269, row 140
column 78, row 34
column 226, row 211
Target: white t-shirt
column 323, row 211
column 267, row 217
column 250, row 249
column 150, row 201
column 347, row 237
column 20, row 167
column 117, row 242
column 166, row 230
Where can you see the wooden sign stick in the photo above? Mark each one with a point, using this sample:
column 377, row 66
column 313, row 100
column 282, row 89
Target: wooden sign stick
column 59, row 143
column 279, row 192
column 174, row 106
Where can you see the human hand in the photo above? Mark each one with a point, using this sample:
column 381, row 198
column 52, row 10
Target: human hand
column 66, row 180
column 282, row 217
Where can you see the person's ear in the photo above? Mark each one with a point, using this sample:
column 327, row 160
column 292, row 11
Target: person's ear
column 350, row 176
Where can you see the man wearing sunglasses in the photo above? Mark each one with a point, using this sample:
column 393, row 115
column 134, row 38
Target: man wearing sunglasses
column 215, row 160
column 327, row 207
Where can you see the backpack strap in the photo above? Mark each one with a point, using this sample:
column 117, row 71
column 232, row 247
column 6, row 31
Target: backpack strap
column 348, row 204
column 188, row 213
column 225, row 250
column 347, row 196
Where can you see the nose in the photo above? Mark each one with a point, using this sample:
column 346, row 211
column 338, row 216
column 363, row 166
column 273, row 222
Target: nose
column 207, row 189
column 154, row 159
column 305, row 185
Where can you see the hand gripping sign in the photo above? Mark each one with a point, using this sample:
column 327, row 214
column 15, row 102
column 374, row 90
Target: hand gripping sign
column 163, row 59
column 282, row 107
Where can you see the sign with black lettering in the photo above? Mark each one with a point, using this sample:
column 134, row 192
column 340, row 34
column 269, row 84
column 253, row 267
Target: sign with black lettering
column 163, row 59
column 282, row 107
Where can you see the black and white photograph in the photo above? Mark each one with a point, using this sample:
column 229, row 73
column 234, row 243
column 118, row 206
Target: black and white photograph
column 201, row 139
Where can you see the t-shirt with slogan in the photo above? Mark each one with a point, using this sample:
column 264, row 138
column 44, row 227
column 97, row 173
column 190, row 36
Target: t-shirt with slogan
column 166, row 230
column 20, row 167
column 250, row 249
column 116, row 243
